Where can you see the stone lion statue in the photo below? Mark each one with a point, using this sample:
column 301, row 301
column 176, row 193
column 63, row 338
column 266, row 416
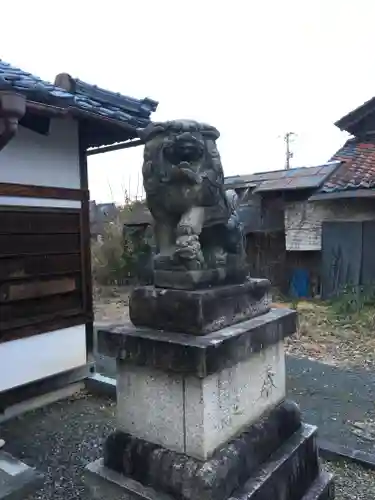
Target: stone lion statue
column 195, row 222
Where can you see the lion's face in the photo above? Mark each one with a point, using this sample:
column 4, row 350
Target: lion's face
column 182, row 168
column 179, row 141
column 187, row 147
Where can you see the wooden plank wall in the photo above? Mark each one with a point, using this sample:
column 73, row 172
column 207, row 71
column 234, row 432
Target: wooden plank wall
column 42, row 284
column 266, row 257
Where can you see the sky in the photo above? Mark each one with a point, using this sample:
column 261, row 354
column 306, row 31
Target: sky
column 253, row 69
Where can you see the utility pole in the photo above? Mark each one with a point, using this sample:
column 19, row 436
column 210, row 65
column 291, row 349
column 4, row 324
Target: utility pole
column 288, row 153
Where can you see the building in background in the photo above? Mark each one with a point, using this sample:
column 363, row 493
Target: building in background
column 311, row 231
column 280, row 231
column 347, row 200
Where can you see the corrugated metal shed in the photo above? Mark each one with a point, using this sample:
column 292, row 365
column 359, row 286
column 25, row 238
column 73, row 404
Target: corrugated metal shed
column 282, row 180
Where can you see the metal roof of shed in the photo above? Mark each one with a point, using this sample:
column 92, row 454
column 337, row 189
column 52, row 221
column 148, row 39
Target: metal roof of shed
column 282, row 180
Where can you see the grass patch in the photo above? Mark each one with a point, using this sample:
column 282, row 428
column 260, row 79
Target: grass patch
column 339, row 332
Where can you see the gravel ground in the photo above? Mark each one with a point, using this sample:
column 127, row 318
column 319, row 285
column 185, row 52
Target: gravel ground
column 352, row 482
column 111, row 304
column 62, row 438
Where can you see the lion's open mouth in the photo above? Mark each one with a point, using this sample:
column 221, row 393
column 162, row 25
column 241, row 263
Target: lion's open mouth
column 184, row 148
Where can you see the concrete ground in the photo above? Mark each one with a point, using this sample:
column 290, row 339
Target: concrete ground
column 339, row 401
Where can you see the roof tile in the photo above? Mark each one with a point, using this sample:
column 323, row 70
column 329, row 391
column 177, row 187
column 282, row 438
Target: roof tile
column 357, row 170
column 86, row 97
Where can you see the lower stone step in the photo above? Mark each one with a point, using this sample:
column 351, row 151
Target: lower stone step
column 289, row 473
column 188, row 478
column 322, row 488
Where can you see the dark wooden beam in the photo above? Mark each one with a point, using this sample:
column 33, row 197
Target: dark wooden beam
column 86, row 244
column 37, row 244
column 14, row 269
column 36, row 221
column 46, row 324
column 46, row 109
column 83, row 114
column 115, row 147
column 29, row 191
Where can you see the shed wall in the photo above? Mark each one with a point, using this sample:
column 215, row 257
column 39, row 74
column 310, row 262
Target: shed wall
column 347, row 256
column 303, row 220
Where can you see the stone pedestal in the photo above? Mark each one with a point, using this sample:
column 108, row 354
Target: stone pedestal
column 205, row 416
column 199, row 312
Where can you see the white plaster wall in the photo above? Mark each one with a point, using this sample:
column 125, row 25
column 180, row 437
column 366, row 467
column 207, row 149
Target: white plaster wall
column 53, row 160
column 34, row 358
column 303, row 220
column 17, row 201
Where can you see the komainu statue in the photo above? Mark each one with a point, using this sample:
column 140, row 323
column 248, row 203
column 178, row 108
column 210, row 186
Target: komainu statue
column 197, row 230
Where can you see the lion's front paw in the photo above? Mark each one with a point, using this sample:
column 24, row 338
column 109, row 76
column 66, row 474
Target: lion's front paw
column 188, row 249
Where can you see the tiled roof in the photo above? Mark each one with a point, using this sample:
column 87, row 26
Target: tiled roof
column 357, row 170
column 79, row 96
column 281, row 180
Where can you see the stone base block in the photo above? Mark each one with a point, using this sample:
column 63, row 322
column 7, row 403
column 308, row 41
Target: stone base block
column 276, row 458
column 192, row 280
column 105, row 484
column 289, row 473
column 17, row 480
column 199, row 356
column 199, row 312
column 193, row 415
column 212, row 479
